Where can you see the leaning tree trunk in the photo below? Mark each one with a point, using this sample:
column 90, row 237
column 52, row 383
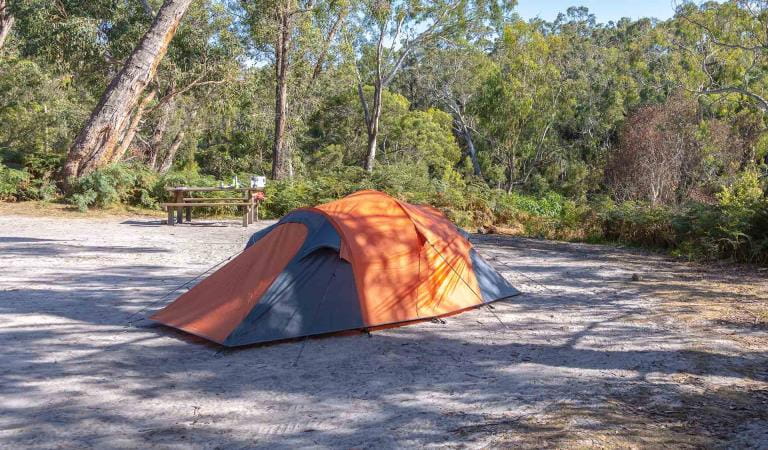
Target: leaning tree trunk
column 6, row 21
column 99, row 135
column 326, row 47
column 280, row 152
column 130, row 131
column 170, row 155
column 159, row 133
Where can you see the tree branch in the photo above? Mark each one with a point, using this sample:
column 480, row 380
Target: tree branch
column 762, row 101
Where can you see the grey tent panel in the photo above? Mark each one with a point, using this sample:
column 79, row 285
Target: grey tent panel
column 493, row 286
column 312, row 220
column 315, row 294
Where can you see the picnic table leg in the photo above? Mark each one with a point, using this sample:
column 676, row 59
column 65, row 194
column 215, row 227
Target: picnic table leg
column 170, row 215
column 247, row 217
column 189, row 214
column 179, row 198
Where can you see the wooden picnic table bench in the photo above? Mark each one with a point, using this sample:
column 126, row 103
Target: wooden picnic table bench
column 249, row 202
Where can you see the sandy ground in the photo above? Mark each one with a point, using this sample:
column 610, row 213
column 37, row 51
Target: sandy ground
column 585, row 357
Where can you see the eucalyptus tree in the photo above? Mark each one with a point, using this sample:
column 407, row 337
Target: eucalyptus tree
column 6, row 21
column 98, row 136
column 279, row 29
column 728, row 45
column 85, row 41
column 386, row 32
column 450, row 78
column 519, row 101
column 203, row 56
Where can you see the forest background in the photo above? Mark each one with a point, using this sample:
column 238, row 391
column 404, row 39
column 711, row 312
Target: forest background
column 645, row 132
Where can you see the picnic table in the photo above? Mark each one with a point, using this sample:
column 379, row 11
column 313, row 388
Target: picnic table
column 183, row 200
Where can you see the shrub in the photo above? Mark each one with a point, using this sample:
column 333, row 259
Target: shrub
column 118, row 183
column 12, row 182
column 736, row 227
column 639, row 224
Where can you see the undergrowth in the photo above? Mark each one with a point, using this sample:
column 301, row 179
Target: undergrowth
column 734, row 227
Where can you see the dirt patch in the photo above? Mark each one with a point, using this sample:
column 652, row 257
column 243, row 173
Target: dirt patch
column 586, row 357
column 63, row 210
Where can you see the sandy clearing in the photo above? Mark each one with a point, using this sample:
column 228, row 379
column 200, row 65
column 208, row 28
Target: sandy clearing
column 585, row 357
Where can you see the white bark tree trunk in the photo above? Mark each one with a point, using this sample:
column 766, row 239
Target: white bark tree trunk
column 6, row 21
column 130, row 132
column 99, row 135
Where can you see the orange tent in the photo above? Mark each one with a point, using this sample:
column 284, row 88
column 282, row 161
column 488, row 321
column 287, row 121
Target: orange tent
column 365, row 261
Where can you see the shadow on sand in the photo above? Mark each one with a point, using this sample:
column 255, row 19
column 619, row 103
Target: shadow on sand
column 491, row 381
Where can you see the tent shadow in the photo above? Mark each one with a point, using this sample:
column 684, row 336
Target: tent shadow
column 541, row 375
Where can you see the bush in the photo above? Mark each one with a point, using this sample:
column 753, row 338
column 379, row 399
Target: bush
column 735, row 228
column 118, row 183
column 12, row 182
column 639, row 224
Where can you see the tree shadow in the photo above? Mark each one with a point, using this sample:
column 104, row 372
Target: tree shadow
column 576, row 363
column 195, row 223
column 25, row 240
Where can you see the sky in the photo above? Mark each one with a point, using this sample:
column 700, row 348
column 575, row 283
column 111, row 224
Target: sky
column 604, row 10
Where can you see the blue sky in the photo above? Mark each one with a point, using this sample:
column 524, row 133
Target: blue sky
column 604, row 10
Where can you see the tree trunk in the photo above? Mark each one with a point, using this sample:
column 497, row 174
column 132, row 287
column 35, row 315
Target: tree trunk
column 158, row 134
column 171, row 154
column 373, row 127
column 473, row 153
column 511, row 167
column 130, row 131
column 372, row 117
column 326, row 46
column 466, row 134
column 99, row 135
column 6, row 21
column 280, row 154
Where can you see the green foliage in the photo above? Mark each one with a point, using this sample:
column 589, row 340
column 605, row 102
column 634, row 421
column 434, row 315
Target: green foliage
column 39, row 112
column 11, row 182
column 118, row 183
column 639, row 224
column 567, row 118
column 16, row 185
column 735, row 227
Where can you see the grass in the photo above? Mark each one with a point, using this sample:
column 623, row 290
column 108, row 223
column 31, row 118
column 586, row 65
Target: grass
column 35, row 208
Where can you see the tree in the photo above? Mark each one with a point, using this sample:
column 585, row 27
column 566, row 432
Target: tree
column 99, row 135
column 86, row 40
column 204, row 56
column 728, row 45
column 278, row 29
column 388, row 31
column 449, row 79
column 519, row 102
column 666, row 153
column 6, row 21
column 335, row 133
